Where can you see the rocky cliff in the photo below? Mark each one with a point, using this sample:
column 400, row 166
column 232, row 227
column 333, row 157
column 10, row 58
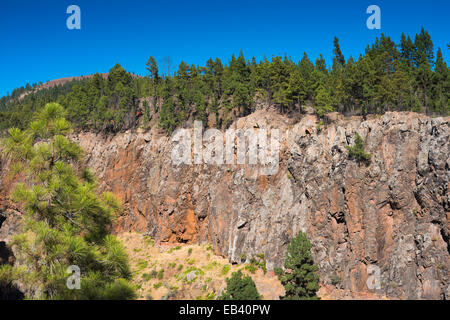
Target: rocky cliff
column 390, row 215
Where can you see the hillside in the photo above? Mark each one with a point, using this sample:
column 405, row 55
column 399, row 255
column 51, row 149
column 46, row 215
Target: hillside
column 218, row 168
column 59, row 82
column 392, row 212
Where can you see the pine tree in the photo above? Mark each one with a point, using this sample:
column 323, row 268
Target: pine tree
column 183, row 71
column 66, row 221
column 424, row 61
column 152, row 68
column 323, row 103
column 279, row 77
column 296, row 90
column 306, row 69
column 300, row 279
column 118, row 74
column 321, row 64
column 240, row 288
column 407, row 49
column 441, row 84
column 357, row 151
column 338, row 56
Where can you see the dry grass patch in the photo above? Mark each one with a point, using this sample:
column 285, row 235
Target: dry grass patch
column 183, row 271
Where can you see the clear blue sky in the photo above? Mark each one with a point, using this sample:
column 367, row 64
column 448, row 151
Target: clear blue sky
column 37, row 46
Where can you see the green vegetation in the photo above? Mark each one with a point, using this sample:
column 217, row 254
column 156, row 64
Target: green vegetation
column 183, row 276
column 357, row 151
column 405, row 76
column 174, row 249
column 149, row 276
column 211, row 265
column 300, row 279
column 251, row 268
column 149, row 241
column 210, row 296
column 225, row 269
column 260, row 261
column 240, row 288
column 142, row 264
column 66, row 221
column 157, row 285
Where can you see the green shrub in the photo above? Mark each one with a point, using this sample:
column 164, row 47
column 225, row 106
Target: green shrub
column 142, row 264
column 174, row 248
column 259, row 261
column 146, row 276
column 251, row 268
column 225, row 269
column 357, row 151
column 149, row 241
column 157, row 285
column 210, row 296
column 240, row 288
column 300, row 279
column 211, row 265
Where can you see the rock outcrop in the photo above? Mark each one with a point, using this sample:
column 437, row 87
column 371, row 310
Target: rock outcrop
column 389, row 217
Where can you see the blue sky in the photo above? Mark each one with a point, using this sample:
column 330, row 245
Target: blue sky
column 37, row 46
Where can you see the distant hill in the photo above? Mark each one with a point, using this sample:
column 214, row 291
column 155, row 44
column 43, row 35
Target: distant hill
column 62, row 81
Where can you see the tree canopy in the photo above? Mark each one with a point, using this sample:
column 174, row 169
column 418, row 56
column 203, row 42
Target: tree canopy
column 406, row 76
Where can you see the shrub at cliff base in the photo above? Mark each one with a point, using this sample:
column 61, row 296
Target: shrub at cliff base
column 240, row 288
column 66, row 221
column 300, row 278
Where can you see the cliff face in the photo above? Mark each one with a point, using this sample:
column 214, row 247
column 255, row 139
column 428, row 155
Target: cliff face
column 392, row 214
